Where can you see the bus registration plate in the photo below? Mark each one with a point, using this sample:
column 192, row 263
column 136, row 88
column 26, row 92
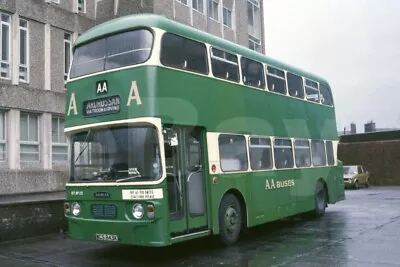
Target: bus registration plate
column 106, row 237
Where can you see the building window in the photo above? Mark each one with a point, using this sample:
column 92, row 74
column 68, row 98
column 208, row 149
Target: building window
column 227, row 17
column 254, row 24
column 82, row 6
column 198, row 5
column 5, row 46
column 67, row 53
column 59, row 142
column 29, row 137
column 213, row 9
column 254, row 43
column 2, row 135
column 23, row 50
column 183, row 2
column 253, row 12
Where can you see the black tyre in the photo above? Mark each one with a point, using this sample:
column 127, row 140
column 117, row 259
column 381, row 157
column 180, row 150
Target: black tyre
column 321, row 197
column 230, row 219
column 356, row 185
column 367, row 183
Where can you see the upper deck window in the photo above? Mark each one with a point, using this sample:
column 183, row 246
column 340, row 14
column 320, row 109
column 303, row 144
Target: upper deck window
column 253, row 72
column 276, row 80
column 326, row 97
column 312, row 91
column 183, row 53
column 115, row 51
column 295, row 85
column 224, row 65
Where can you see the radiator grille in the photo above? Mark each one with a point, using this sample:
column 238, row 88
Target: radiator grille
column 104, row 211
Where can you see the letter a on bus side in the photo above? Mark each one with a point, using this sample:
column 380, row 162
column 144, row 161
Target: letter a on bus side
column 134, row 94
column 72, row 105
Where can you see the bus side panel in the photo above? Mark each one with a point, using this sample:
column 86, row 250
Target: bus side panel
column 226, row 183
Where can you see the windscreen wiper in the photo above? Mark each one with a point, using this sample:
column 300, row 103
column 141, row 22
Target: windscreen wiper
column 128, row 178
column 87, row 144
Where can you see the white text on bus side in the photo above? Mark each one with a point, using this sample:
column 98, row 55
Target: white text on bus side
column 278, row 184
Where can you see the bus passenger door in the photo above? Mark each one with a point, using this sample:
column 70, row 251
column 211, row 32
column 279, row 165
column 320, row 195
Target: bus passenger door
column 185, row 180
column 195, row 179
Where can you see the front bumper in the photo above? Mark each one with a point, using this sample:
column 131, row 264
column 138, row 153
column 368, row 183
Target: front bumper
column 348, row 182
column 143, row 233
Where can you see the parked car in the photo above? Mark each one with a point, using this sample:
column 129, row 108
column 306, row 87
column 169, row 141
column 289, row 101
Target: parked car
column 355, row 176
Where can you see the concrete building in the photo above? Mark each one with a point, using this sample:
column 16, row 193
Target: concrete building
column 239, row 21
column 35, row 54
column 369, row 127
column 353, row 128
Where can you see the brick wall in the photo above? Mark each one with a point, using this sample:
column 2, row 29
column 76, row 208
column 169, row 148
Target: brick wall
column 380, row 158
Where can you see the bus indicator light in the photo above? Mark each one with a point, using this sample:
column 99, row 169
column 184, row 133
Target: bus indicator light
column 66, row 207
column 215, row 180
column 150, row 211
column 213, row 168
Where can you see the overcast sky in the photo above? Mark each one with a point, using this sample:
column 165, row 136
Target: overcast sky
column 354, row 44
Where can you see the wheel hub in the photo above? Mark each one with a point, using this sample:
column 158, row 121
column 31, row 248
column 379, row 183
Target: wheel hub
column 231, row 218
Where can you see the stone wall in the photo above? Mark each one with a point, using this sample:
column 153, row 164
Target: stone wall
column 380, row 158
column 32, row 217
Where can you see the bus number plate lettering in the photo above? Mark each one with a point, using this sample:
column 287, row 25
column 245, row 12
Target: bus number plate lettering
column 106, row 237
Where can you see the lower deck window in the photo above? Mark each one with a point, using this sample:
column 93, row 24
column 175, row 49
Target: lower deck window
column 260, row 153
column 232, row 152
column 329, row 153
column 302, row 153
column 318, row 153
column 283, row 153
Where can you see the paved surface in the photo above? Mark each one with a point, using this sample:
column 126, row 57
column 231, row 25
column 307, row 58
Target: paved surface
column 363, row 230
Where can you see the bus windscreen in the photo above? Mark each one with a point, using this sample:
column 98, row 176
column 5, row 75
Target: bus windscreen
column 116, row 154
column 115, row 51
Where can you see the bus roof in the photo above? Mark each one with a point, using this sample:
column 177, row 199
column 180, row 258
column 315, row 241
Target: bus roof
column 125, row 23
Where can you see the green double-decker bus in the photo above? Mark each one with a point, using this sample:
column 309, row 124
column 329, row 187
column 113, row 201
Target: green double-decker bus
column 176, row 134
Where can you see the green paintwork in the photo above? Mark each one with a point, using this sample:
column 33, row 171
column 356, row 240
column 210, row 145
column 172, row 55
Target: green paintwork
column 214, row 104
column 150, row 20
column 182, row 98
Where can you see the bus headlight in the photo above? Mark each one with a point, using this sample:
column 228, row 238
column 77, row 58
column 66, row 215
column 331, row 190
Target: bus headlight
column 67, row 208
column 76, row 209
column 137, row 211
column 150, row 211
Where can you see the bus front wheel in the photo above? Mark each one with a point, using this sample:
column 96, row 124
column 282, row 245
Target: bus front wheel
column 230, row 219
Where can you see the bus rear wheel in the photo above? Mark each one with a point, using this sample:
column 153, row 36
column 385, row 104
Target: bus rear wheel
column 230, row 219
column 320, row 199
